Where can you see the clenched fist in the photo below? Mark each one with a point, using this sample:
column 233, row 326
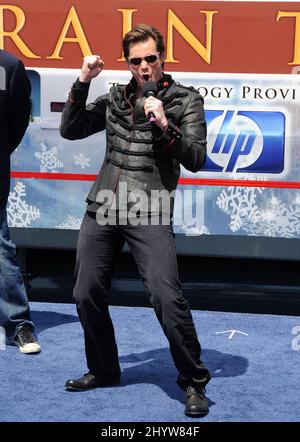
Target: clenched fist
column 91, row 67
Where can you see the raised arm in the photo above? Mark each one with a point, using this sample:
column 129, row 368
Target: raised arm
column 78, row 120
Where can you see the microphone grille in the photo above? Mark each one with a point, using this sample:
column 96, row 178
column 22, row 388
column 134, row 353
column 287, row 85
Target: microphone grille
column 150, row 87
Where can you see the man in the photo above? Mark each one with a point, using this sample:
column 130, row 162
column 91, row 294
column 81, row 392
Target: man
column 14, row 118
column 143, row 156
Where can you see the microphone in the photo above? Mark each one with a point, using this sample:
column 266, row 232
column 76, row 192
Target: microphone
column 150, row 90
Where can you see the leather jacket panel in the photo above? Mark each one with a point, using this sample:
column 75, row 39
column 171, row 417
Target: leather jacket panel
column 137, row 152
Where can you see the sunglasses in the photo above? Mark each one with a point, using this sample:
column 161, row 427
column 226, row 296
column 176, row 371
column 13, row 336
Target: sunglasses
column 138, row 60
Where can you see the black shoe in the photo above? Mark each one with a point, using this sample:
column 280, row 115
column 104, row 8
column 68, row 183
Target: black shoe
column 89, row 381
column 196, row 401
column 26, row 341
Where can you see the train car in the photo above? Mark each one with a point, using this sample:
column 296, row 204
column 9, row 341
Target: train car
column 242, row 56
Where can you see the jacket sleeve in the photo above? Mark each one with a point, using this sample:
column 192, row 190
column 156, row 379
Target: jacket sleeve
column 80, row 120
column 19, row 105
column 187, row 143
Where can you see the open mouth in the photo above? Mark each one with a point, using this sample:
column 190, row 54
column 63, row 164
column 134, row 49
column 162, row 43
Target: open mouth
column 146, row 77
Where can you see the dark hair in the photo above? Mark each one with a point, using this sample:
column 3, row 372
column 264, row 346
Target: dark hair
column 142, row 32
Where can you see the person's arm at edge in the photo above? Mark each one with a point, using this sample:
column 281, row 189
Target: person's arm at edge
column 19, row 105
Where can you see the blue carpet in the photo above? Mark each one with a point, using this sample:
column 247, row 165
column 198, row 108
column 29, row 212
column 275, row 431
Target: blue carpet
column 255, row 376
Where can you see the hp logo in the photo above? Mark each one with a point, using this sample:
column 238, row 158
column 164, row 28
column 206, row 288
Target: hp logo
column 245, row 141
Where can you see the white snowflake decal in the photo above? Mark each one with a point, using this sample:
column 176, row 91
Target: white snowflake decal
column 71, row 222
column 240, row 204
column 277, row 218
column 194, row 230
column 19, row 213
column 47, row 157
column 82, row 161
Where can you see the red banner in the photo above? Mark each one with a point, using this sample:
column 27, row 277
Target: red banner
column 200, row 36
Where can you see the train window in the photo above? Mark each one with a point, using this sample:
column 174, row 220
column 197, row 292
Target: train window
column 56, row 106
column 35, row 82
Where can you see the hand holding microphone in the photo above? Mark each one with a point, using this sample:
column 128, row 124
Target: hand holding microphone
column 153, row 107
column 149, row 90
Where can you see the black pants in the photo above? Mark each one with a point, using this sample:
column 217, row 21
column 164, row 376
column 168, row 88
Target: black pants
column 153, row 248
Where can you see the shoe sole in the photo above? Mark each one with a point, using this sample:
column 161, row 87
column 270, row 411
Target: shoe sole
column 28, row 351
column 196, row 413
column 110, row 384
